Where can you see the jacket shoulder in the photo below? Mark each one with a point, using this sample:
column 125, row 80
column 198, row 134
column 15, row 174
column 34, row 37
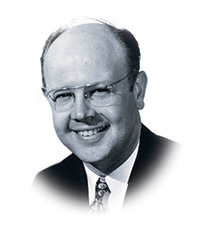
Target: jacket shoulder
column 65, row 178
column 155, row 145
column 154, row 153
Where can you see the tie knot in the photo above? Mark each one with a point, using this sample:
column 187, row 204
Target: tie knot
column 101, row 188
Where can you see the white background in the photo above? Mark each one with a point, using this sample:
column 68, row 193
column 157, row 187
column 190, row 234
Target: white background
column 168, row 35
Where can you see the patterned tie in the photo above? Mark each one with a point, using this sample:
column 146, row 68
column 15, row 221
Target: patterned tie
column 100, row 190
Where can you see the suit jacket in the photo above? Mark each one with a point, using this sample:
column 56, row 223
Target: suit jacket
column 68, row 178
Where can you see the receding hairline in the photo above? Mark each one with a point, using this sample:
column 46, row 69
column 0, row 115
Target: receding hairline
column 105, row 26
column 79, row 29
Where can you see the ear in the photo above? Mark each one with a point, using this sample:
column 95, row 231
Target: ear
column 139, row 89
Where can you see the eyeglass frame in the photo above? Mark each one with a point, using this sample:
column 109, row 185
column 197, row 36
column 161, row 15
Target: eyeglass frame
column 47, row 93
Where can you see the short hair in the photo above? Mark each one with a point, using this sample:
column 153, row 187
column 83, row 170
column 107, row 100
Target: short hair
column 123, row 36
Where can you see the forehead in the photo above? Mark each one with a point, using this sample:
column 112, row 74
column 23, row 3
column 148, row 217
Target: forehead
column 82, row 52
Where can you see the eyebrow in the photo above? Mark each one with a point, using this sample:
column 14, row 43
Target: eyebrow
column 86, row 85
column 77, row 87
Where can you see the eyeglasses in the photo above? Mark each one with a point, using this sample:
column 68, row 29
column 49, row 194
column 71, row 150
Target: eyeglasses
column 97, row 95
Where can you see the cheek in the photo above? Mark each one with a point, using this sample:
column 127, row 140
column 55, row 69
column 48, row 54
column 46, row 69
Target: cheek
column 123, row 107
column 124, row 121
column 61, row 122
column 121, row 113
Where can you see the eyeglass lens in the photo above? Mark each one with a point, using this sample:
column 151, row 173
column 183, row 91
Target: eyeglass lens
column 64, row 99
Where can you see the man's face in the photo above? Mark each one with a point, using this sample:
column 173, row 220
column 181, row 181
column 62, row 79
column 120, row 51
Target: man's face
column 104, row 136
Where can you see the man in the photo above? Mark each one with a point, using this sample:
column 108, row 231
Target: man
column 92, row 81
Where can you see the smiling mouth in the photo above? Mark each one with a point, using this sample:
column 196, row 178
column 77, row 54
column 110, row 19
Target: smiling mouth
column 88, row 133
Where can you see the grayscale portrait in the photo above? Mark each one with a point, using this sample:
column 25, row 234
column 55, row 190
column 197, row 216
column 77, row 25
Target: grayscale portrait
column 92, row 79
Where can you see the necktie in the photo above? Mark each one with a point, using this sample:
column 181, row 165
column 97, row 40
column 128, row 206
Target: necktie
column 100, row 190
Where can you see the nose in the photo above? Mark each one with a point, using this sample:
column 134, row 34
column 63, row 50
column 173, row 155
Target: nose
column 81, row 110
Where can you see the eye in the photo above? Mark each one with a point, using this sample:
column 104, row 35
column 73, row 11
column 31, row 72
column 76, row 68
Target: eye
column 63, row 96
column 100, row 92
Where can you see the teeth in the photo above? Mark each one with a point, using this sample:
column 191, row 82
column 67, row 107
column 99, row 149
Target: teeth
column 90, row 132
column 85, row 133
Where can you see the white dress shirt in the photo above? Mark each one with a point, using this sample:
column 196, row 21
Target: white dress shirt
column 117, row 182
